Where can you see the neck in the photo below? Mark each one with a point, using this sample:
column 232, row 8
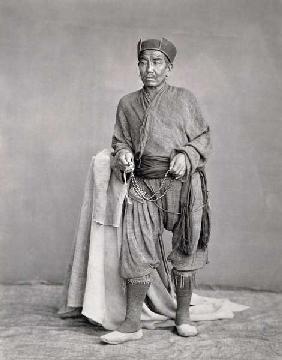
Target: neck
column 152, row 90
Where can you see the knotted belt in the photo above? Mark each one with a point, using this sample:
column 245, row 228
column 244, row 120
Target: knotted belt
column 155, row 167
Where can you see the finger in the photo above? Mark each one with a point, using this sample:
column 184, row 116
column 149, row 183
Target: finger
column 128, row 169
column 178, row 167
column 129, row 158
column 182, row 172
column 171, row 166
column 180, row 175
column 176, row 175
column 122, row 160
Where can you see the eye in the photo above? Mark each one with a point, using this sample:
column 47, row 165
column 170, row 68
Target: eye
column 142, row 63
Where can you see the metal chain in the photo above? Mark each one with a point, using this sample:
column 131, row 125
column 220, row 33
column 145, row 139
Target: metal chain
column 156, row 195
column 154, row 198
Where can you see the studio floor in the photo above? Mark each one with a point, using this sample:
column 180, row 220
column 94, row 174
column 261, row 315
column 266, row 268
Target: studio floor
column 30, row 329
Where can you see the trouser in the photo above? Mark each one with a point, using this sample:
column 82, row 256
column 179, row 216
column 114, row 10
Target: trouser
column 144, row 222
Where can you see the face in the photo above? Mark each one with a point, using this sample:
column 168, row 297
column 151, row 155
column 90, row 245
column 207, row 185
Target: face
column 153, row 67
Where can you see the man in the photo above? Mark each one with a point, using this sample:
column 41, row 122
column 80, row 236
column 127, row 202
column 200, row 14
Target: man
column 161, row 143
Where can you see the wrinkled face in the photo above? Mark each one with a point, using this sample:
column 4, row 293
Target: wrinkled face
column 154, row 67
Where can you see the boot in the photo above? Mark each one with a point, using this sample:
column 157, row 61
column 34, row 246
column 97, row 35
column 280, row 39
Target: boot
column 130, row 329
column 183, row 288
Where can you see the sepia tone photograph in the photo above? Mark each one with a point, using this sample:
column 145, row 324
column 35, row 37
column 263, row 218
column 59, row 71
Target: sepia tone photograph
column 141, row 179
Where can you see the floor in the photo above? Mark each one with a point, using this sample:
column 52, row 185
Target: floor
column 30, row 329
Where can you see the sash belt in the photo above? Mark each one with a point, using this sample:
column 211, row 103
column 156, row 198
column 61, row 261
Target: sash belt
column 152, row 167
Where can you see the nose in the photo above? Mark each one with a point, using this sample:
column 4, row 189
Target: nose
column 149, row 67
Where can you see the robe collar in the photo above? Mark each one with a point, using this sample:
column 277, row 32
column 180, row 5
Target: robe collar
column 148, row 98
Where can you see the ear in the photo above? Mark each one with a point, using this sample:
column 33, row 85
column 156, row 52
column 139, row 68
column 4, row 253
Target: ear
column 169, row 68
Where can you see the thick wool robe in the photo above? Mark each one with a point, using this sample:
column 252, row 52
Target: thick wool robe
column 169, row 123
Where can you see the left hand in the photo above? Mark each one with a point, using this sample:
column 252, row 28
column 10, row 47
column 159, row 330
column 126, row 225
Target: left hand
column 178, row 165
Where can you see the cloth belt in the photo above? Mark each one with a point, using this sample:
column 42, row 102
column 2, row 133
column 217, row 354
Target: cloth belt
column 155, row 167
column 152, row 167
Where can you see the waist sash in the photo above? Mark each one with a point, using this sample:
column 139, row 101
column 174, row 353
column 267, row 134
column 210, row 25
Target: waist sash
column 152, row 167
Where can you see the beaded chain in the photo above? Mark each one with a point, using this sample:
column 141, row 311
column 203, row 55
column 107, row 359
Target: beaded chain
column 156, row 195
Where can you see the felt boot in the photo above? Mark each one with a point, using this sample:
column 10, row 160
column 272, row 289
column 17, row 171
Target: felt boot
column 130, row 329
column 183, row 288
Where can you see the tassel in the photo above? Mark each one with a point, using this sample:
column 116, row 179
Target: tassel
column 146, row 279
column 183, row 233
column 179, row 277
column 205, row 223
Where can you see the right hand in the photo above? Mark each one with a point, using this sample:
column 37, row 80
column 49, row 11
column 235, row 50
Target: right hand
column 126, row 161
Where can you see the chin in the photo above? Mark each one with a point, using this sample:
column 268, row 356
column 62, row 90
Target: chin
column 150, row 83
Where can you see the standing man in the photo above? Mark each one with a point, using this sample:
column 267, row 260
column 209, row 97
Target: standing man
column 161, row 144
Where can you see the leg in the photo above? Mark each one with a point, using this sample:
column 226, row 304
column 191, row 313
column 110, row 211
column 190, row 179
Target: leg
column 130, row 329
column 136, row 291
column 186, row 265
column 183, row 287
column 138, row 257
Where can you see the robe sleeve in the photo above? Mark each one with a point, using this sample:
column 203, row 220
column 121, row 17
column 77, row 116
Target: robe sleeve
column 121, row 140
column 197, row 130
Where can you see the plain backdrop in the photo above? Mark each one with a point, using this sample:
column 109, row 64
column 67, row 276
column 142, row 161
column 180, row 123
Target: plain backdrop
column 64, row 64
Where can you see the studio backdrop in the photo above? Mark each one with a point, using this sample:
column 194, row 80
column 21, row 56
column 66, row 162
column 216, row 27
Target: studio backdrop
column 64, row 65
